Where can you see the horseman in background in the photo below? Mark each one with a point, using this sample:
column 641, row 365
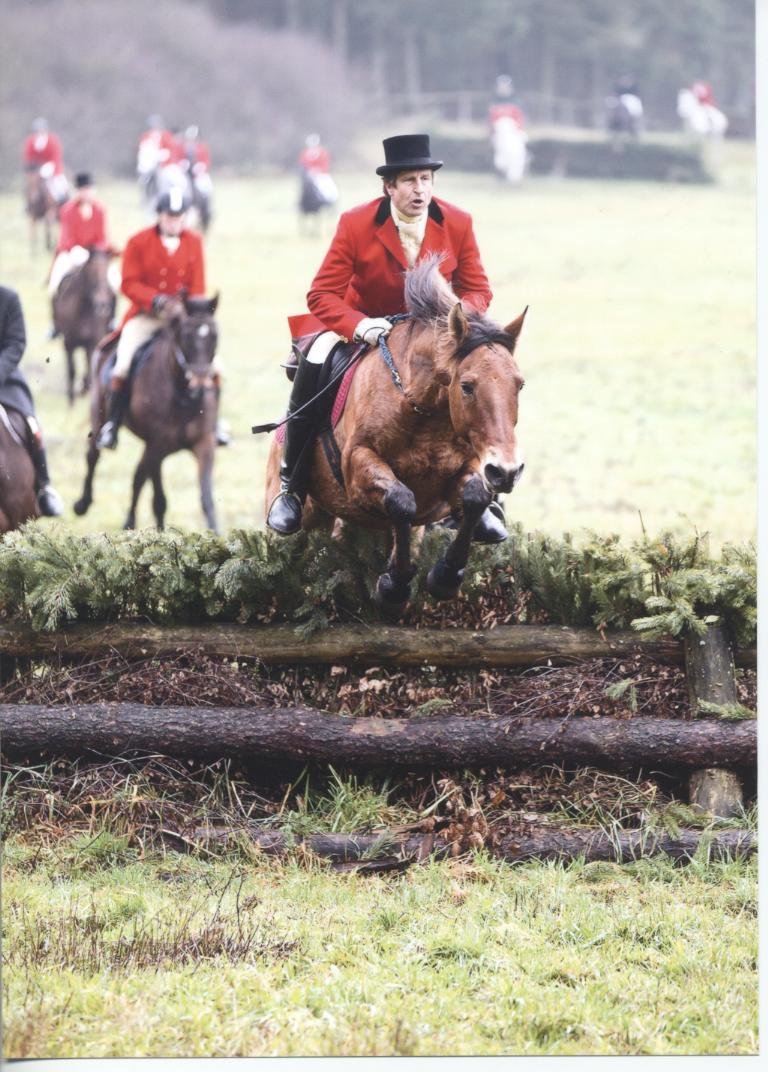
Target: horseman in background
column 43, row 156
column 83, row 227
column 318, row 189
column 16, row 394
column 160, row 264
column 697, row 108
column 508, row 135
column 195, row 161
column 361, row 282
column 158, row 161
column 625, row 107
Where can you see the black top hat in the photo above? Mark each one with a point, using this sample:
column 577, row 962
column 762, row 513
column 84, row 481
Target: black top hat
column 406, row 151
column 83, row 178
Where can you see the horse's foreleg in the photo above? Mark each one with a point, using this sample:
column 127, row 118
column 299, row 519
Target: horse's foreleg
column 445, row 577
column 91, row 457
column 159, row 501
column 373, row 484
column 139, row 479
column 70, row 373
column 204, row 452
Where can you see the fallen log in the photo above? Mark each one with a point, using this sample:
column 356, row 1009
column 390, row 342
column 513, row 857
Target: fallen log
column 306, row 735
column 504, row 646
column 387, row 850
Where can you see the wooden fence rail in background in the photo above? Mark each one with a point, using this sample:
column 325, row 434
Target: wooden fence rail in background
column 504, row 646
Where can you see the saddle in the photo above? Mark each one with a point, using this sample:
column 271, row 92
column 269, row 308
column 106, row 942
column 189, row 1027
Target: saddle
column 330, row 405
column 108, row 356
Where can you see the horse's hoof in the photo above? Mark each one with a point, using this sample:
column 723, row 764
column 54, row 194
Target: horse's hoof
column 129, row 525
column 390, row 597
column 443, row 582
column 81, row 507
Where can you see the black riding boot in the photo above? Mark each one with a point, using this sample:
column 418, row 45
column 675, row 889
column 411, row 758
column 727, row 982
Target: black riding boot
column 48, row 499
column 285, row 512
column 118, row 404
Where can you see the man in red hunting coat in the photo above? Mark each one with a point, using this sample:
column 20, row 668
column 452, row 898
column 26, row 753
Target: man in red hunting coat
column 361, row 282
column 158, row 263
column 42, row 153
column 83, row 226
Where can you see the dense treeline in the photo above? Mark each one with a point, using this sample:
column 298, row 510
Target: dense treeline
column 568, row 48
column 257, row 75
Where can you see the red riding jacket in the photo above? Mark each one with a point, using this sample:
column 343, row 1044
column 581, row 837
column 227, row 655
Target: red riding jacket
column 79, row 227
column 149, row 269
column 362, row 273
column 42, row 149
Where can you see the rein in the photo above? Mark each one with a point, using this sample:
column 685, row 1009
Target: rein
column 386, row 354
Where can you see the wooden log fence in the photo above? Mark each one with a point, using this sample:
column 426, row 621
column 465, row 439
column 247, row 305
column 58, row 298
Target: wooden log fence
column 259, row 735
column 709, row 748
column 541, row 841
column 503, row 646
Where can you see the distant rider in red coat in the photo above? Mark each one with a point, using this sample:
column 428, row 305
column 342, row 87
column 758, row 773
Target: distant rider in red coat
column 83, row 226
column 361, row 282
column 42, row 153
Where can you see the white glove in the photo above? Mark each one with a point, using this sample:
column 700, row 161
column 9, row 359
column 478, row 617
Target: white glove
column 47, row 169
column 371, row 329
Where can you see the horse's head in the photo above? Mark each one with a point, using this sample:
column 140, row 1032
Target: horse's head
column 98, row 290
column 197, row 337
column 474, row 361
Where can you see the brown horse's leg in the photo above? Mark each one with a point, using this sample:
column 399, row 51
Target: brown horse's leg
column 159, row 501
column 445, row 577
column 70, row 372
column 140, row 476
column 204, row 452
column 92, row 456
column 373, row 484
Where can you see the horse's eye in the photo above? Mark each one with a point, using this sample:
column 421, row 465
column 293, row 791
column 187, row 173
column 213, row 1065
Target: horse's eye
column 467, row 389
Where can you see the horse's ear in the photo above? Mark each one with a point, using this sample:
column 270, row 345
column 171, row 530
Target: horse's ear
column 515, row 326
column 458, row 324
column 215, row 301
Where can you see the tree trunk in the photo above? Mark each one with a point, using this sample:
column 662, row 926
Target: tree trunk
column 368, row 645
column 388, row 849
column 306, row 735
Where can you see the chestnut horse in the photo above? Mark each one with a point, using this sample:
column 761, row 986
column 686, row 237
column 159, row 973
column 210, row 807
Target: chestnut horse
column 18, row 501
column 173, row 405
column 40, row 205
column 82, row 309
column 443, row 441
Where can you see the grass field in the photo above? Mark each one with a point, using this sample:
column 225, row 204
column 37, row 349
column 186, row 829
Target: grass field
column 639, row 350
column 109, row 955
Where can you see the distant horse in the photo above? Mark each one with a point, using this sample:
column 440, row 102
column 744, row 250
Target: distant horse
column 199, row 195
column 173, row 405
column 624, row 115
column 442, row 442
column 700, row 118
column 154, row 177
column 83, row 306
column 510, row 154
column 18, row 500
column 41, row 206
column 318, row 193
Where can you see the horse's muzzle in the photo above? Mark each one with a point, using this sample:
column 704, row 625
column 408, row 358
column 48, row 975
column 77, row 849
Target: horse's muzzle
column 502, row 478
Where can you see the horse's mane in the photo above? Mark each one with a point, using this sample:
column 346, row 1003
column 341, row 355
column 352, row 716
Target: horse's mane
column 429, row 298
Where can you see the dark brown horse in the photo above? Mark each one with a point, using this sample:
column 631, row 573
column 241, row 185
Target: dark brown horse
column 173, row 405
column 83, row 306
column 40, row 206
column 18, row 501
column 444, row 442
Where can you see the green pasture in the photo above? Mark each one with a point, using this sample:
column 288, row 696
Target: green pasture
column 111, row 956
column 639, row 351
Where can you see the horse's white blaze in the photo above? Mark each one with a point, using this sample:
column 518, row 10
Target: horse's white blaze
column 203, row 330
